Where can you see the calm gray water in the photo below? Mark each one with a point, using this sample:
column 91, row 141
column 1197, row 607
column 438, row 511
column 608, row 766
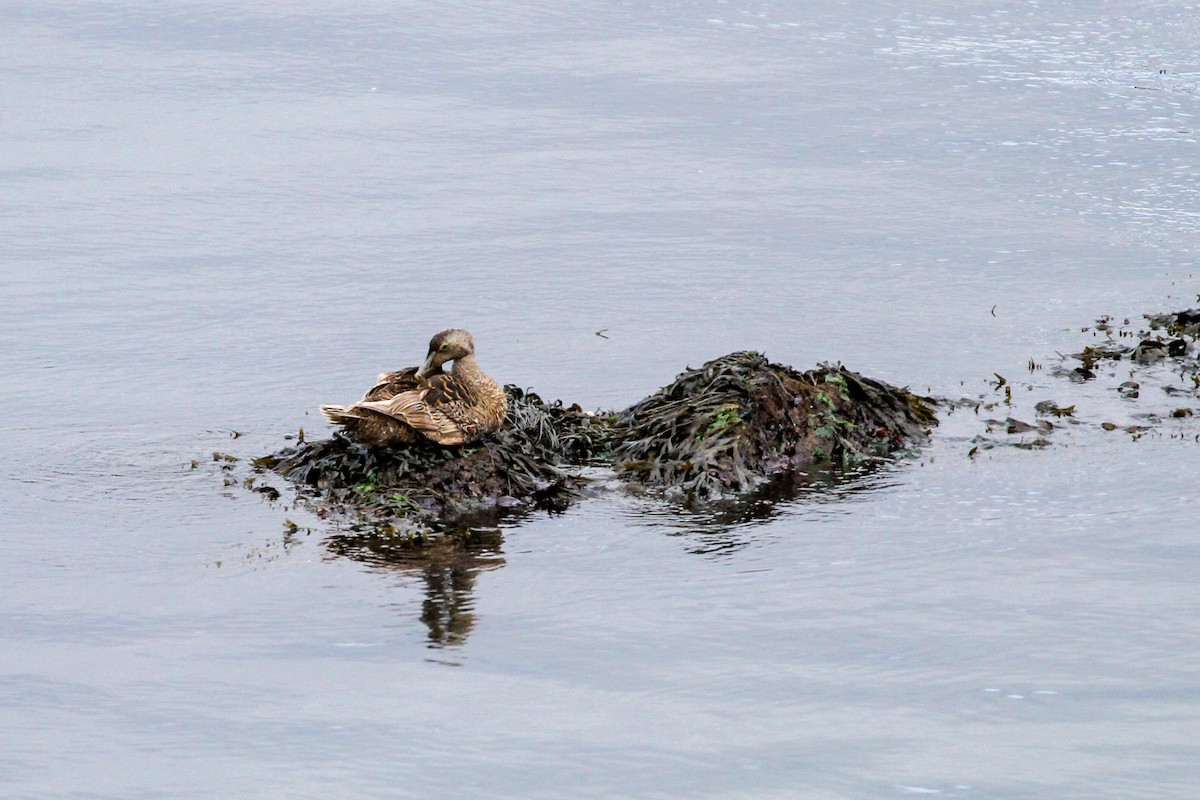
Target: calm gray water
column 215, row 216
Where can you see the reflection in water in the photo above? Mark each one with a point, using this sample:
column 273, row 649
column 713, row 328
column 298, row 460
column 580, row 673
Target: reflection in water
column 447, row 565
column 724, row 526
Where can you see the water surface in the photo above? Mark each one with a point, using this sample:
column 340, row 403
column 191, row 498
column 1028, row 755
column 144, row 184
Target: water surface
column 215, row 218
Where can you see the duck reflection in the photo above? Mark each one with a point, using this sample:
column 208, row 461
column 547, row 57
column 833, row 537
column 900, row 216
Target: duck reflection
column 447, row 565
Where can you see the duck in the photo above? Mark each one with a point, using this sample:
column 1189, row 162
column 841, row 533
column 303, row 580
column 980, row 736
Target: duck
column 427, row 404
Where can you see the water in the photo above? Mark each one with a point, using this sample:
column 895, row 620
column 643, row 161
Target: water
column 215, row 218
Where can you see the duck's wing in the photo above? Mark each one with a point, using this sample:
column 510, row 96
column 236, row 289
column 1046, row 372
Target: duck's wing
column 390, row 384
column 440, row 410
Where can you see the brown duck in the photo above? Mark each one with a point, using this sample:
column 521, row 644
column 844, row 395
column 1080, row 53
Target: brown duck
column 425, row 404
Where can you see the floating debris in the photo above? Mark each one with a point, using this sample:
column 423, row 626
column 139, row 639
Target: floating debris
column 1013, row 425
column 1152, row 347
column 1050, row 408
column 1131, row 362
column 1177, row 323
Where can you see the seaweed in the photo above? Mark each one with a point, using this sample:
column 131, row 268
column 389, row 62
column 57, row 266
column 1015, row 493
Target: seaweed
column 523, row 463
column 727, row 426
column 1138, row 362
column 717, row 431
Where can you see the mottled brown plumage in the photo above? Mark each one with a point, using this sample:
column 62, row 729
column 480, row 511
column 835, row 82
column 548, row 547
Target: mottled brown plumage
column 390, row 384
column 426, row 404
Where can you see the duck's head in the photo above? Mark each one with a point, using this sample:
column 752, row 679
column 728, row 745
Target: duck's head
column 448, row 345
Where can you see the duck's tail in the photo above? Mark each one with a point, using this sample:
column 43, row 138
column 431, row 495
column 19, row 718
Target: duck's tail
column 340, row 415
column 369, row 426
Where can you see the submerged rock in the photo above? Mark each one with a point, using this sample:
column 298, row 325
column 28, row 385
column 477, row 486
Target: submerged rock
column 718, row 430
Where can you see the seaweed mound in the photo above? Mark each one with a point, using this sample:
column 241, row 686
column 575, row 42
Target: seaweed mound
column 519, row 464
column 726, row 426
column 715, row 431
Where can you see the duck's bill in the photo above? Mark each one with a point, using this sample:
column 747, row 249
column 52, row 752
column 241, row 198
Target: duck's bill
column 429, row 367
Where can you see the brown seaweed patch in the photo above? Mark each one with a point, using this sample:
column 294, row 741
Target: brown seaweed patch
column 717, row 431
column 520, row 464
column 1177, row 323
column 1181, row 329
column 1138, row 363
column 726, row 426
